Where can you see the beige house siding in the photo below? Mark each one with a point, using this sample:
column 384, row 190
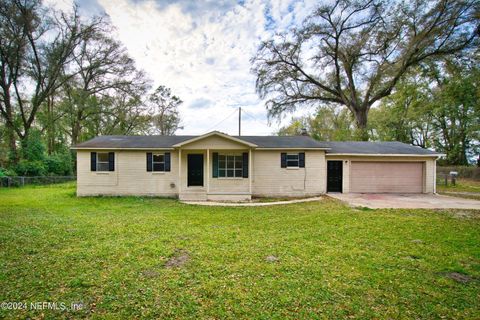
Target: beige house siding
column 269, row 179
column 266, row 177
column 129, row 178
column 429, row 164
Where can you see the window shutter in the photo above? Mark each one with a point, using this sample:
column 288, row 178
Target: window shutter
column 93, row 161
column 167, row 161
column 245, row 165
column 215, row 165
column 149, row 161
column 283, row 160
column 111, row 161
column 301, row 159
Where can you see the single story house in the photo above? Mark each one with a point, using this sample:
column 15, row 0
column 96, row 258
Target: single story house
column 217, row 166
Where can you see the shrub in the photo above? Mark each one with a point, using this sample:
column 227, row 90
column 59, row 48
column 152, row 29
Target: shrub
column 33, row 148
column 7, row 172
column 30, row 168
column 59, row 164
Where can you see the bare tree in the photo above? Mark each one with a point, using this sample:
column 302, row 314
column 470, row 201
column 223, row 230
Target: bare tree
column 353, row 53
column 165, row 118
column 35, row 47
column 105, row 86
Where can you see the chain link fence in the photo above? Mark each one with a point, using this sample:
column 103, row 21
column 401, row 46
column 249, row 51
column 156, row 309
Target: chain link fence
column 464, row 172
column 10, row 182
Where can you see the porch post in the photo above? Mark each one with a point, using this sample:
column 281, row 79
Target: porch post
column 179, row 171
column 250, row 174
column 208, row 171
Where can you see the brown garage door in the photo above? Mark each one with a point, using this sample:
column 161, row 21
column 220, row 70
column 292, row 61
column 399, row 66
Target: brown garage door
column 386, row 177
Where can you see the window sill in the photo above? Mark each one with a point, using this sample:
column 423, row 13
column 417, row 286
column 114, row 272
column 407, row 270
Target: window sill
column 230, row 178
column 293, row 168
column 103, row 172
column 158, row 172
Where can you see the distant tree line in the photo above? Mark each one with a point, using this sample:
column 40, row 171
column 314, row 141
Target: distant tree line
column 63, row 80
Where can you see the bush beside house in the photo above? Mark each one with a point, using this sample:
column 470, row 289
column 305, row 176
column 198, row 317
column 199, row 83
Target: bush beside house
column 34, row 160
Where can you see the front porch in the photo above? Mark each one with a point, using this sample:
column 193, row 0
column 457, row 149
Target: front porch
column 218, row 173
column 215, row 174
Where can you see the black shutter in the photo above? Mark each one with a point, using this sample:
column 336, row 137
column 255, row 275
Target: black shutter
column 245, row 165
column 111, row 161
column 215, row 165
column 283, row 160
column 167, row 161
column 301, row 159
column 93, row 161
column 149, row 161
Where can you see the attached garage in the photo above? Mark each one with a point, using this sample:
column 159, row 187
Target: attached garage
column 386, row 177
column 380, row 167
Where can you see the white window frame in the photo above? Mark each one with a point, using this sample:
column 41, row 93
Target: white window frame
column 297, row 155
column 158, row 162
column 227, row 168
column 104, row 163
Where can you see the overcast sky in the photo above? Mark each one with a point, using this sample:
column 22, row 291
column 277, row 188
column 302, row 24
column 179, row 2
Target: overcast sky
column 201, row 49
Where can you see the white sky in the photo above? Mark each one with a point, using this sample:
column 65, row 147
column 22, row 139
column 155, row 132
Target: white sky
column 201, row 49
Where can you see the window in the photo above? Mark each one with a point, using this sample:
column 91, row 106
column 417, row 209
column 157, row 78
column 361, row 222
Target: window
column 158, row 162
column 102, row 161
column 292, row 160
column 230, row 165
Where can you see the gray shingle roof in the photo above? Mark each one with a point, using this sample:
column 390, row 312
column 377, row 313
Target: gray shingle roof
column 283, row 141
column 133, row 142
column 301, row 142
column 152, row 142
column 362, row 147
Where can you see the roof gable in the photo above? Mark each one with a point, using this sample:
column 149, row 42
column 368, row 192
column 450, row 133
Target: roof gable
column 214, row 133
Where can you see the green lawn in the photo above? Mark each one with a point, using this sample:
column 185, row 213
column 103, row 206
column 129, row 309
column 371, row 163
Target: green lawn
column 465, row 188
column 158, row 258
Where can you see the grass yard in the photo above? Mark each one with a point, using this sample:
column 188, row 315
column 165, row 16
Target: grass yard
column 158, row 258
column 465, row 188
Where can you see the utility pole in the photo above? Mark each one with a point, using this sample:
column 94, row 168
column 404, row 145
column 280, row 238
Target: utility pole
column 239, row 121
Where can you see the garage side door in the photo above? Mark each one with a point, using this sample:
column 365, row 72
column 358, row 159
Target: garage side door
column 386, row 177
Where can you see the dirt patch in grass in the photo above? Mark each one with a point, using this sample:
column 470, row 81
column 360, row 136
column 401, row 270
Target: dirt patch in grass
column 459, row 277
column 179, row 259
column 417, row 241
column 150, row 273
column 272, row 258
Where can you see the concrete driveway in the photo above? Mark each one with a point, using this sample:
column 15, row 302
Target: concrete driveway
column 405, row 201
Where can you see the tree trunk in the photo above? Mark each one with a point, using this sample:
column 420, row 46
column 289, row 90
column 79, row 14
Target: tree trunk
column 50, row 126
column 12, row 143
column 361, row 122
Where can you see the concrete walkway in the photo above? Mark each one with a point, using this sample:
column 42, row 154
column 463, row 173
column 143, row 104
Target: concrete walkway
column 251, row 204
column 405, row 201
